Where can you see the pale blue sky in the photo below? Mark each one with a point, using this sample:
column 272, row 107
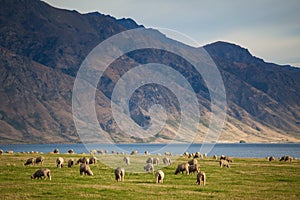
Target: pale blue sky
column 270, row 29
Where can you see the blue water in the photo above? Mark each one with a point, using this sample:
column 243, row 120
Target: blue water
column 249, row 150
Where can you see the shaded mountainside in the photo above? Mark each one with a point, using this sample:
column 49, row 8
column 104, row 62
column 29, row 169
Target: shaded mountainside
column 42, row 48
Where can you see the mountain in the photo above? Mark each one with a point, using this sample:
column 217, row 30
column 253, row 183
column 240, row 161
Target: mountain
column 42, row 48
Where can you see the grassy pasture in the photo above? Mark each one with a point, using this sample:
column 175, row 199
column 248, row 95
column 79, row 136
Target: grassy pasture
column 246, row 179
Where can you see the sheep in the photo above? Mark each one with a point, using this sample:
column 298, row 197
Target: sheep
column 194, row 168
column 93, row 152
column 71, row 151
column 93, row 160
column 193, row 161
column 159, row 175
column 222, row 157
column 186, row 154
column 71, row 162
column 271, row 158
column 201, row 178
column 56, row 151
column 215, row 157
column 100, row 151
column 149, row 160
column 59, row 162
column 168, row 153
column 41, row 172
column 39, row 159
column 197, row 155
column 112, row 152
column 149, row 168
column 134, row 152
column 29, row 161
column 106, row 151
column 119, row 174
column 182, row 167
column 224, row 163
column 204, row 155
column 167, row 161
column 286, row 158
column 85, row 170
column 126, row 160
column 82, row 160
column 9, row 152
column 147, row 153
column 155, row 161
column 229, row 159
column 1, row 152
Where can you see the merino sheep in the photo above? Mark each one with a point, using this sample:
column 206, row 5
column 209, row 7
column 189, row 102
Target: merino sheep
column 85, row 170
column 271, row 158
column 60, row 162
column 126, row 160
column 194, row 168
column 56, row 151
column 119, row 174
column 41, row 172
column 224, row 163
column 149, row 168
column 201, row 178
column 71, row 162
column 39, row 159
column 182, row 167
column 29, row 161
column 193, row 161
column 93, row 160
column 155, row 161
column 167, row 161
column 286, row 158
column 83, row 160
column 149, row 160
column 159, row 175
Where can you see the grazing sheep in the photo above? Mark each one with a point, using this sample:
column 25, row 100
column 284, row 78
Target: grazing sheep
column 29, row 161
column 41, row 172
column 83, row 160
column 71, row 162
column 182, row 167
column 271, row 158
column 9, row 152
column 93, row 152
column 229, row 159
column 126, row 160
column 193, row 161
column 134, row 152
column 106, row 151
column 119, row 174
column 85, row 170
column 191, row 155
column 60, row 162
column 286, row 158
column 222, row 157
column 168, row 154
column 149, row 160
column 201, row 178
column 194, row 168
column 56, row 151
column 93, row 160
column 197, row 155
column 224, row 163
column 39, row 159
column 100, row 151
column 159, row 175
column 204, row 155
column 112, row 152
column 186, row 154
column 149, row 168
column 167, row 161
column 215, row 157
column 155, row 161
column 147, row 153
column 1, row 152
column 71, row 151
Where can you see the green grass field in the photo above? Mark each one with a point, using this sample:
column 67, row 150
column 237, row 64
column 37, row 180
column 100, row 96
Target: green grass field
column 246, row 179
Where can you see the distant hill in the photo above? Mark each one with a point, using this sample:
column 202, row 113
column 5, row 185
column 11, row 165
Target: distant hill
column 41, row 51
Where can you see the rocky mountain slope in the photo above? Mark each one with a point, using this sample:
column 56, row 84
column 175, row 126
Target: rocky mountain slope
column 42, row 48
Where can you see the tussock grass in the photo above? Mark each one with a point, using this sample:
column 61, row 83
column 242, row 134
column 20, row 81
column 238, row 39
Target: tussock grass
column 246, row 179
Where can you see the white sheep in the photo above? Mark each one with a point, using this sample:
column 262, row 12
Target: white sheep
column 201, row 178
column 149, row 168
column 167, row 161
column 85, row 170
column 119, row 174
column 155, row 161
column 160, row 175
column 60, row 162
column 126, row 160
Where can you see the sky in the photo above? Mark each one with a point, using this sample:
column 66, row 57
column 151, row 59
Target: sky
column 269, row 29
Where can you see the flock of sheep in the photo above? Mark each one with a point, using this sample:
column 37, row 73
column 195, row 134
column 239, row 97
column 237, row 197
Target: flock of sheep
column 189, row 167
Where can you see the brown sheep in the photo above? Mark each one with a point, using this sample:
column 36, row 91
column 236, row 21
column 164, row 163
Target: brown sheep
column 41, row 172
column 182, row 167
column 85, row 170
column 194, row 168
column 159, row 175
column 29, row 161
column 60, row 162
column 224, row 163
column 39, row 159
column 119, row 174
column 201, row 178
column 82, row 160
column 193, row 161
column 71, row 162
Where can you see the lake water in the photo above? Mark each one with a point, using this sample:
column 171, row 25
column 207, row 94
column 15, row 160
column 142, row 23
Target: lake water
column 246, row 150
